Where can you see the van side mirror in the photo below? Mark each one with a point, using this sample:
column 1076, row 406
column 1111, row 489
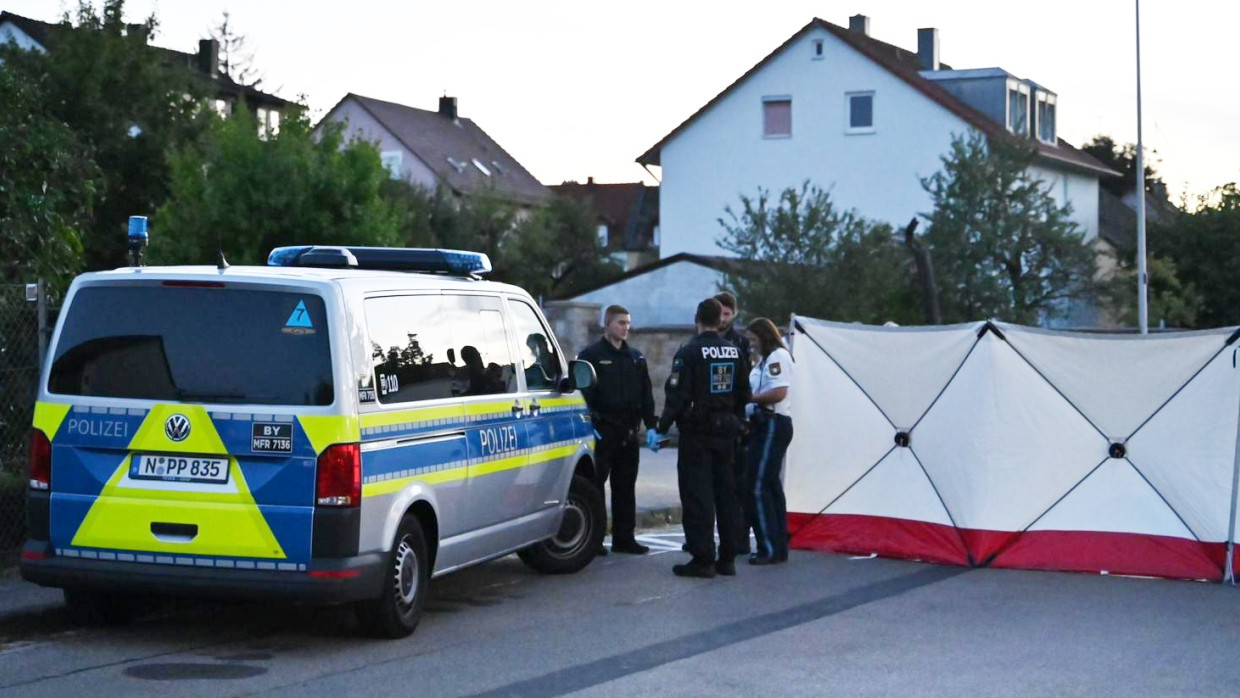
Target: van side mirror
column 580, row 375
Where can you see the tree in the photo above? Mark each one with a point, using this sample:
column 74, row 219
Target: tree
column 800, row 254
column 245, row 195
column 1123, row 159
column 1172, row 302
column 1205, row 248
column 555, row 252
column 126, row 102
column 1002, row 247
column 47, row 188
column 236, row 56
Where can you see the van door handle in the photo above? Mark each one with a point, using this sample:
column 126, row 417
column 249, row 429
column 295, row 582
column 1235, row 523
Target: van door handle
column 516, row 409
column 535, row 409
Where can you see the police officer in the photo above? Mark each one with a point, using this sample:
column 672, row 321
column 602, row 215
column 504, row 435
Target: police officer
column 706, row 395
column 619, row 402
column 727, row 330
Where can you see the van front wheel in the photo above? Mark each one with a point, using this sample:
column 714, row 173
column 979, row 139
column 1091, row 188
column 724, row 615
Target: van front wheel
column 580, row 535
column 395, row 614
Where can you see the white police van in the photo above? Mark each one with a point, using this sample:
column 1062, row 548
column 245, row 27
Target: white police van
column 338, row 426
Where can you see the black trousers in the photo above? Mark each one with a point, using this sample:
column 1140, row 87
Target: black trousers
column 768, row 442
column 708, row 494
column 616, row 456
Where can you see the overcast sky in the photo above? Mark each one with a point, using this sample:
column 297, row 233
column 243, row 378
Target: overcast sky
column 575, row 89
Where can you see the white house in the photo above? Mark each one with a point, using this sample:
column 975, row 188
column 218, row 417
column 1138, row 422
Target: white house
column 866, row 120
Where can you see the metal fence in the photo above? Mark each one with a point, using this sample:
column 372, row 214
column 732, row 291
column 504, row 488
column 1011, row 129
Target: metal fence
column 21, row 343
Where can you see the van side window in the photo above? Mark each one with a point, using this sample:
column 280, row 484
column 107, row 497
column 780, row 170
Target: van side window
column 539, row 359
column 483, row 364
column 410, row 348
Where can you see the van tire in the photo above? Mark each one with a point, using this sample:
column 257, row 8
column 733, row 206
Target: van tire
column 406, row 580
column 89, row 608
column 580, row 535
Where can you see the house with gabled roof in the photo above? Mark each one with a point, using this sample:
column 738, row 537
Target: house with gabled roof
column 435, row 149
column 866, row 120
column 225, row 92
column 626, row 215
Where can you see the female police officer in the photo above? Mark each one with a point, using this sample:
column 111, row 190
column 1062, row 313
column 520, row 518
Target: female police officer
column 769, row 436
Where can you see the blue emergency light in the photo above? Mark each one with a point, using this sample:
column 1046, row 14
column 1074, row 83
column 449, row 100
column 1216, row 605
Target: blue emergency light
column 138, row 238
column 424, row 260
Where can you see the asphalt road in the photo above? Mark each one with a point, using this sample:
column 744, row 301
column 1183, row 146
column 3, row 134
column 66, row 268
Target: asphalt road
column 820, row 625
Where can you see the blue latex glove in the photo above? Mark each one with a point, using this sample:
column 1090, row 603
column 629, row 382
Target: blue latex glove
column 653, row 439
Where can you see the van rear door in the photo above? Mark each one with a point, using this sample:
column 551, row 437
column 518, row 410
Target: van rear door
column 178, row 417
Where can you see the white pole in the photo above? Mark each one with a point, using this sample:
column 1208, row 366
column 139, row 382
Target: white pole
column 1142, row 276
column 1228, row 575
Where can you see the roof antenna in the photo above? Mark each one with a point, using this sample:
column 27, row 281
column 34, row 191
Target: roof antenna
column 220, row 262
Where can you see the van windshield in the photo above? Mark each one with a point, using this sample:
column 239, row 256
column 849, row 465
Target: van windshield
column 195, row 344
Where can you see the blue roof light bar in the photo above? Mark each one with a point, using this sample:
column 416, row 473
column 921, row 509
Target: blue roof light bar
column 410, row 259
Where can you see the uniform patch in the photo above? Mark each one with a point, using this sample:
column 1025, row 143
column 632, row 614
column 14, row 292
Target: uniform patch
column 722, row 377
column 775, row 369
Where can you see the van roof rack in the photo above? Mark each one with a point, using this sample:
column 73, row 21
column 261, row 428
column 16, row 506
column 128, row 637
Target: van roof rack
column 410, row 259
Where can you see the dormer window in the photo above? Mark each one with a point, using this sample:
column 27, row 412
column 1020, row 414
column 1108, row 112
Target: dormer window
column 1018, row 108
column 1046, row 118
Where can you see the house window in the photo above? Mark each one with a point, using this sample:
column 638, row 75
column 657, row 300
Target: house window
column 393, row 161
column 268, row 122
column 602, row 235
column 1046, row 119
column 1018, row 109
column 777, row 117
column 860, row 112
column 222, row 107
column 817, row 49
column 481, row 168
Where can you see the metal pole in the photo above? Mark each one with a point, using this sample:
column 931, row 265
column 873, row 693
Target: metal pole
column 1142, row 275
column 1228, row 575
column 41, row 309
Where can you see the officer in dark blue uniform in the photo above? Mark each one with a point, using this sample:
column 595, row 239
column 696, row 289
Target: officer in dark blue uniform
column 706, row 396
column 619, row 402
column 727, row 330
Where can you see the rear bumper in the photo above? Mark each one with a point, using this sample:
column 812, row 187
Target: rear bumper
column 333, row 580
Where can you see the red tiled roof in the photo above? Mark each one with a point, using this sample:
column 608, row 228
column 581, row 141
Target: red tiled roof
column 629, row 209
column 905, row 65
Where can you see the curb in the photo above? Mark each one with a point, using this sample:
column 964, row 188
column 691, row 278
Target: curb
column 659, row 518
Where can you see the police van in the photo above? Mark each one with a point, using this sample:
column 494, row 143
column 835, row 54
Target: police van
column 338, row 426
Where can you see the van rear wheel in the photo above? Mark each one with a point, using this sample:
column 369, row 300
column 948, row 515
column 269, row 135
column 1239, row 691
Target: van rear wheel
column 580, row 535
column 395, row 614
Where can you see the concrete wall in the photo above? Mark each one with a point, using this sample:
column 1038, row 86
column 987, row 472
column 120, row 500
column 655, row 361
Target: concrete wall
column 665, row 297
column 361, row 124
column 724, row 154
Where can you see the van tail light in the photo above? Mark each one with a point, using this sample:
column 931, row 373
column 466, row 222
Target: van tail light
column 40, row 461
column 339, row 479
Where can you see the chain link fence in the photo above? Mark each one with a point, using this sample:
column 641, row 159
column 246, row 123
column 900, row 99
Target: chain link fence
column 20, row 346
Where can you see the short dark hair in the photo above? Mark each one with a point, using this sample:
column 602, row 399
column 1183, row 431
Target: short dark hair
column 612, row 311
column 727, row 300
column 709, row 312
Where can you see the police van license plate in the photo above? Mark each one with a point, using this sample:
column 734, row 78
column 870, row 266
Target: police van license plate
column 147, row 466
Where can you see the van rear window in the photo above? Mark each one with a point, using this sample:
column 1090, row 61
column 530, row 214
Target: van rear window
column 189, row 344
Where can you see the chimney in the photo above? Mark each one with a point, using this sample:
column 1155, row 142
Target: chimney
column 859, row 24
column 589, row 181
column 447, row 107
column 928, row 48
column 209, row 57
